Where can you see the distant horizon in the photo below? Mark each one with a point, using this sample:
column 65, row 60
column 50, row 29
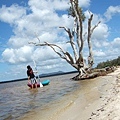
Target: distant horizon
column 41, row 76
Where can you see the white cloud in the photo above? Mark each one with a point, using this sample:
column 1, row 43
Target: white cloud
column 116, row 42
column 56, row 4
column 12, row 13
column 17, row 42
column 22, row 54
column 112, row 10
column 84, row 3
column 99, row 53
column 43, row 53
column 100, row 35
column 101, row 32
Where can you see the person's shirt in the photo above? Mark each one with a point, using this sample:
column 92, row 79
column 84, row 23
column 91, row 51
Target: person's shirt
column 30, row 73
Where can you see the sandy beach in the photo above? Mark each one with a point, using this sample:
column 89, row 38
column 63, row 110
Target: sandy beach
column 97, row 99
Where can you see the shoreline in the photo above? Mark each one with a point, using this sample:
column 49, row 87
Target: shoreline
column 96, row 99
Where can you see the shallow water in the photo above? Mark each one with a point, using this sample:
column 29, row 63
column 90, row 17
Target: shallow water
column 81, row 93
column 16, row 99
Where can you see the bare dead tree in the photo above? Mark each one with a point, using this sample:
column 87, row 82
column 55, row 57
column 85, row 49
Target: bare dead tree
column 76, row 41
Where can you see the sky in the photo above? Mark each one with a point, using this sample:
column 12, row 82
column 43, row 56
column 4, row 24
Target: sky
column 22, row 21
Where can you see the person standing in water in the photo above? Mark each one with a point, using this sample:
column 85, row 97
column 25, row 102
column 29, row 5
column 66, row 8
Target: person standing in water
column 31, row 76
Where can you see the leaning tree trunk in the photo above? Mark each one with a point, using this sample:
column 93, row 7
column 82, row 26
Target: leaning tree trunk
column 76, row 41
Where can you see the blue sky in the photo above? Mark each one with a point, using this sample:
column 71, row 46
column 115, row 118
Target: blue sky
column 22, row 20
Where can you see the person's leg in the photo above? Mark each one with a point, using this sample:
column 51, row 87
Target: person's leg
column 35, row 82
column 32, row 86
column 36, row 85
column 32, row 82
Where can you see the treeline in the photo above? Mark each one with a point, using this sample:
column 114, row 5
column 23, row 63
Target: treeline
column 114, row 62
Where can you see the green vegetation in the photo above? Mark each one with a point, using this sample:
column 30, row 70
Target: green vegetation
column 114, row 62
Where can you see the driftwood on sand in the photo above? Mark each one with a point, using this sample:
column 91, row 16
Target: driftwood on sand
column 95, row 73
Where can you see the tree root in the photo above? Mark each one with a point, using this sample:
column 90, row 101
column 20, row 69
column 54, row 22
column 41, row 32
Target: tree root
column 92, row 74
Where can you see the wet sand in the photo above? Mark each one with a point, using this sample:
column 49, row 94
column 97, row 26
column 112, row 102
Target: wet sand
column 96, row 99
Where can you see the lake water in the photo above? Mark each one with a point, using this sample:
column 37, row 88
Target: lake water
column 17, row 99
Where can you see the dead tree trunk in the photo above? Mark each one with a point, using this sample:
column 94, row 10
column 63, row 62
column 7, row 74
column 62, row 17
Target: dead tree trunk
column 76, row 41
column 90, row 31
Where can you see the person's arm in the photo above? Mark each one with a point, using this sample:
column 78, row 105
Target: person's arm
column 28, row 79
column 28, row 74
column 35, row 71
